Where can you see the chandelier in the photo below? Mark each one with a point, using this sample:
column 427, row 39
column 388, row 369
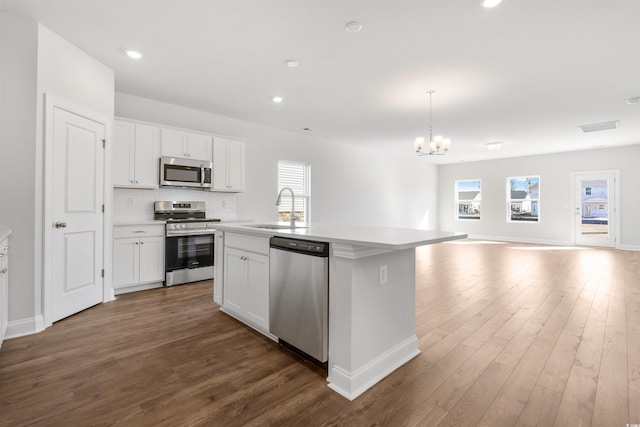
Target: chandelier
column 436, row 143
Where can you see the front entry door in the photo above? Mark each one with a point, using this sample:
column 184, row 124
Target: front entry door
column 77, row 200
column 594, row 209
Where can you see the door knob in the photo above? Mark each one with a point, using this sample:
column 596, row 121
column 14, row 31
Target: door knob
column 60, row 224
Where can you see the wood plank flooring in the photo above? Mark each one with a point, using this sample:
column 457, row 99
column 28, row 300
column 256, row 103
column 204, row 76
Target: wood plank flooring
column 511, row 335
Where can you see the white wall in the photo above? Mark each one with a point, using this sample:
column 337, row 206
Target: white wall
column 349, row 184
column 36, row 61
column 67, row 73
column 18, row 58
column 556, row 208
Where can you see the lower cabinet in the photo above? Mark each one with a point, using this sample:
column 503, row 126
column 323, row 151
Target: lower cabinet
column 246, row 279
column 138, row 256
column 4, row 288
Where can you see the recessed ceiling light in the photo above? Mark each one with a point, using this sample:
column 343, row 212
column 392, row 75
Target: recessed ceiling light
column 277, row 99
column 291, row 63
column 493, row 145
column 133, row 54
column 491, row 3
column 307, row 129
column 353, row 27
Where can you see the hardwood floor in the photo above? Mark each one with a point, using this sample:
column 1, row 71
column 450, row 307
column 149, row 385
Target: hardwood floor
column 511, row 334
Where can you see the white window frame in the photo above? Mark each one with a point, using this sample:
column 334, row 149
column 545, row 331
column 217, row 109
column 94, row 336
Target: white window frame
column 458, row 201
column 532, row 200
column 302, row 192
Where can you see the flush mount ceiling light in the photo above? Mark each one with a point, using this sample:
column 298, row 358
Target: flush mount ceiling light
column 291, row 63
column 595, row 127
column 490, row 3
column 133, row 54
column 277, row 99
column 435, row 143
column 353, row 27
column 493, row 145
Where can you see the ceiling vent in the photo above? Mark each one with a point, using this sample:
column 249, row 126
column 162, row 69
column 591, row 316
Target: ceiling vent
column 595, row 127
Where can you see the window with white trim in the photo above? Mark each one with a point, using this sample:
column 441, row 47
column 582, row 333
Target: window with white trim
column 294, row 175
column 523, row 199
column 468, row 198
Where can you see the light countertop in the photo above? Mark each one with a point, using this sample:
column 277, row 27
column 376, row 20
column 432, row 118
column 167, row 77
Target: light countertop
column 4, row 232
column 376, row 237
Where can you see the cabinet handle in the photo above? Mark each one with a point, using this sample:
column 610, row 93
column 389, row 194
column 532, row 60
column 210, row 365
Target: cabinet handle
column 3, row 271
column 2, row 255
column 142, row 243
column 60, row 224
column 5, row 248
column 131, row 181
column 136, row 182
column 136, row 243
column 139, row 231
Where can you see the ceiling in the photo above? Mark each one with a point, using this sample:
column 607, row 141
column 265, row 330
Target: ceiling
column 527, row 72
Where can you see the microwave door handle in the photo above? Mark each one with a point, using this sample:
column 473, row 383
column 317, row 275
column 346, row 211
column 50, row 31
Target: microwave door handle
column 202, row 176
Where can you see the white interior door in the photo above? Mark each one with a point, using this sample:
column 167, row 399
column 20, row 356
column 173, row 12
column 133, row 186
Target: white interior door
column 77, row 199
column 594, row 209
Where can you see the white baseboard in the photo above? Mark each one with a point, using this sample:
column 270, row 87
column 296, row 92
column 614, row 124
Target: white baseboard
column 22, row 327
column 630, row 247
column 512, row 239
column 135, row 288
column 353, row 384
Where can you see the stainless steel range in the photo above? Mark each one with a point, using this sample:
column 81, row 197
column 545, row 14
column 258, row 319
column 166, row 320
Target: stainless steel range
column 189, row 240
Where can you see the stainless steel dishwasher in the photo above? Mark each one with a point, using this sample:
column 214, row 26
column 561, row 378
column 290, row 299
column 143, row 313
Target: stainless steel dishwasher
column 299, row 294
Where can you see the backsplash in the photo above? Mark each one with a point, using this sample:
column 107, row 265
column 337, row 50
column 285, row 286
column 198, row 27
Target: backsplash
column 132, row 204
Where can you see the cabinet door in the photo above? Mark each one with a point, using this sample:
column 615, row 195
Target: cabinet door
column 126, row 261
column 174, row 143
column 235, row 280
column 151, row 259
column 146, row 156
column 219, row 164
column 4, row 289
column 235, row 165
column 257, row 299
column 199, row 147
column 218, row 279
column 122, row 163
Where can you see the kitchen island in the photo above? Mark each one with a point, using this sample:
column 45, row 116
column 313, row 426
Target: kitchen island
column 371, row 295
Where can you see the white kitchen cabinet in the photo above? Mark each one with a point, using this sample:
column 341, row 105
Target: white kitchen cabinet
column 228, row 165
column 177, row 143
column 138, row 256
column 218, row 279
column 246, row 279
column 4, row 287
column 135, row 155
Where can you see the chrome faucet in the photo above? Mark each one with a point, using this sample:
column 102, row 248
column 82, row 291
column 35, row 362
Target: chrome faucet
column 293, row 205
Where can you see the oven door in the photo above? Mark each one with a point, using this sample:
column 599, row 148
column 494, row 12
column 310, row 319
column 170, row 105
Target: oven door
column 189, row 258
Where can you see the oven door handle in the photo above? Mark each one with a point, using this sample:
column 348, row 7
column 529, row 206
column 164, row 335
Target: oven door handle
column 191, row 233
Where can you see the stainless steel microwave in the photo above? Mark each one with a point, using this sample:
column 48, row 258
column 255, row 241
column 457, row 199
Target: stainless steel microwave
column 177, row 172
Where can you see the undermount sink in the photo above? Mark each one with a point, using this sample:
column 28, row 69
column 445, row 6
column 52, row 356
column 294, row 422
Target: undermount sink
column 275, row 226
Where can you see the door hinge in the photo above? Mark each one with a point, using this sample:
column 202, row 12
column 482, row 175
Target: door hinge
column 102, row 272
column 104, row 143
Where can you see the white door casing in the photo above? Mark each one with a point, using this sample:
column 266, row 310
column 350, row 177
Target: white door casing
column 596, row 208
column 74, row 222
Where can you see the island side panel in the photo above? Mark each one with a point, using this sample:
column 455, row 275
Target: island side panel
column 371, row 325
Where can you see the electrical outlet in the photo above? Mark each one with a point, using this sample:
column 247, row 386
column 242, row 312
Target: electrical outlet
column 383, row 275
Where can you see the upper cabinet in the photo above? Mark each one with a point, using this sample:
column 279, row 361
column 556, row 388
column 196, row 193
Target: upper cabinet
column 135, row 155
column 176, row 143
column 228, row 165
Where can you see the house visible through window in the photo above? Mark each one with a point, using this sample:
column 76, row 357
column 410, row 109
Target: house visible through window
column 468, row 195
column 294, row 175
column 523, row 198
